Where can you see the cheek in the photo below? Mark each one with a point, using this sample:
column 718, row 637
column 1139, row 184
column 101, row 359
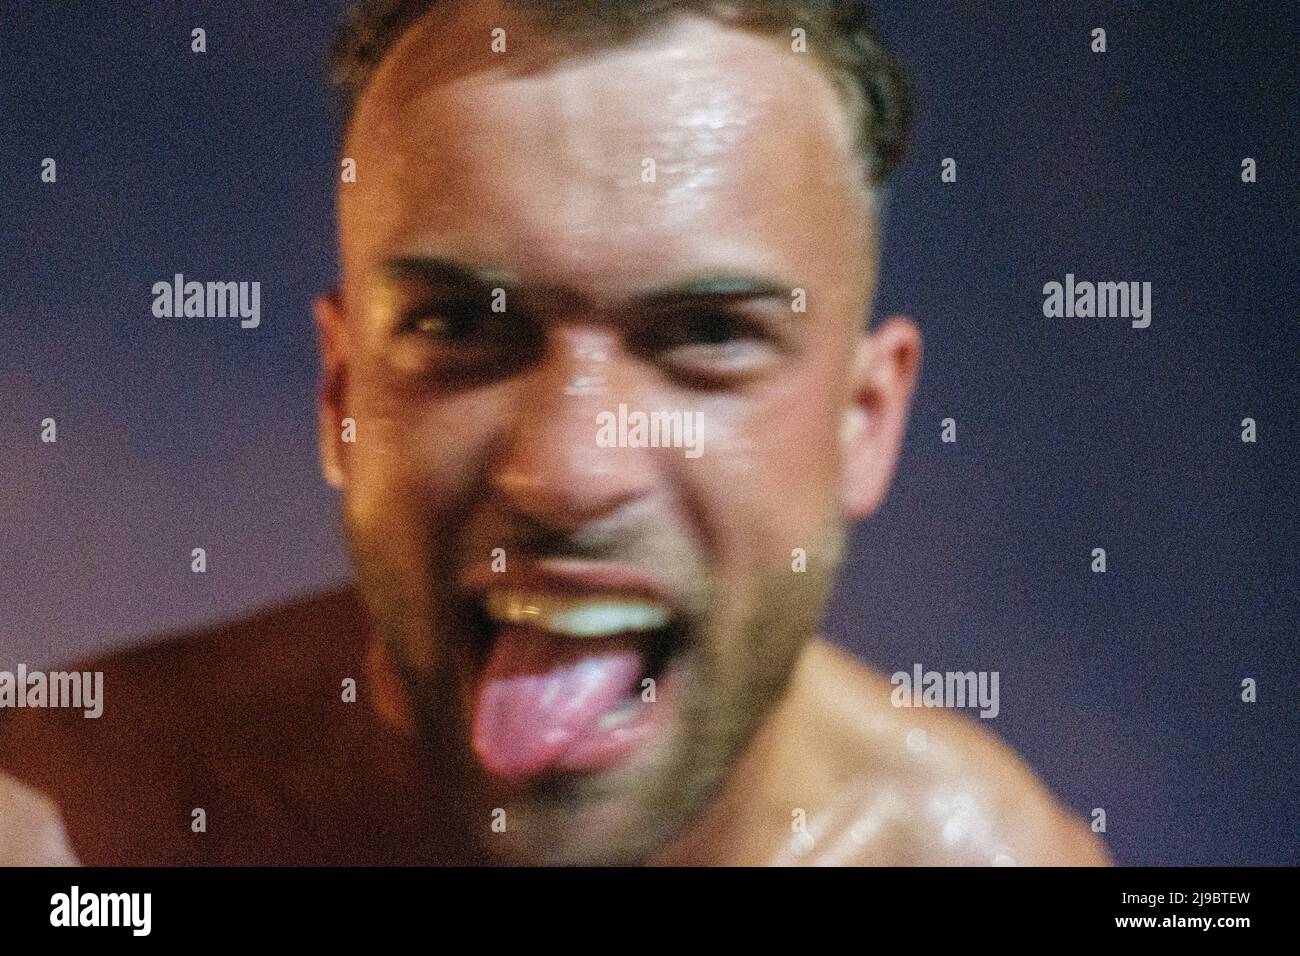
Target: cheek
column 415, row 459
column 766, row 480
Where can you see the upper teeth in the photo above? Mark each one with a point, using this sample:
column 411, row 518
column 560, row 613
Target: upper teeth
column 576, row 617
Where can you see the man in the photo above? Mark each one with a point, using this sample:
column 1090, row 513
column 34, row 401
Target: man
column 571, row 645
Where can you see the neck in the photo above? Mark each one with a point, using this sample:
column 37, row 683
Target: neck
column 749, row 819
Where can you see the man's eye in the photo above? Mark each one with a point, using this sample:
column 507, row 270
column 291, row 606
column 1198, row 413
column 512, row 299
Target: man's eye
column 427, row 324
column 453, row 323
column 710, row 329
column 713, row 345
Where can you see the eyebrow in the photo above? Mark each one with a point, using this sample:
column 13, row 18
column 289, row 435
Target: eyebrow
column 725, row 285
column 436, row 270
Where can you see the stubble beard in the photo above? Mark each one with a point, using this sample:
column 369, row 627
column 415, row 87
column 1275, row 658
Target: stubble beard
column 739, row 674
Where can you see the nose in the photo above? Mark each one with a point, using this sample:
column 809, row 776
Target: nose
column 552, row 470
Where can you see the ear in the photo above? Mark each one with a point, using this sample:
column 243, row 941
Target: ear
column 882, row 381
column 331, row 333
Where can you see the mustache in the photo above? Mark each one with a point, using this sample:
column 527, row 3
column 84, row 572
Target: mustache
column 653, row 546
column 595, row 541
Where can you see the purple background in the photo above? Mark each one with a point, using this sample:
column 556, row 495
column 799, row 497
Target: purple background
column 1120, row 689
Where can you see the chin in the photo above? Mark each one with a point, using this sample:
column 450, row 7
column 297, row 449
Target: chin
column 618, row 817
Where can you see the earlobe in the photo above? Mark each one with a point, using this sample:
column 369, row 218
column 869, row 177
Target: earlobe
column 333, row 387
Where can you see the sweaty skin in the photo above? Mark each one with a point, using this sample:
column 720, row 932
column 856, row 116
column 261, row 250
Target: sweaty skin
column 870, row 785
column 31, row 833
column 583, row 187
column 591, row 189
column 879, row 786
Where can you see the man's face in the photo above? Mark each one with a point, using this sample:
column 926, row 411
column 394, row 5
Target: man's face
column 655, row 217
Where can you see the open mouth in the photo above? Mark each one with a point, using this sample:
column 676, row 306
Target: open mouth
column 569, row 682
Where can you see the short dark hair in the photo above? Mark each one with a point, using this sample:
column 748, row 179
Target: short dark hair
column 839, row 32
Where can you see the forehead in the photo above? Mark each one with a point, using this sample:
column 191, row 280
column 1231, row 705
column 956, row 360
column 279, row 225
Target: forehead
column 699, row 146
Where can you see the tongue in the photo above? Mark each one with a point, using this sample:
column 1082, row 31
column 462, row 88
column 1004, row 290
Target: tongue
column 541, row 693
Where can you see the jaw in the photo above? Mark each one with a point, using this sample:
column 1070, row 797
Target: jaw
column 739, row 653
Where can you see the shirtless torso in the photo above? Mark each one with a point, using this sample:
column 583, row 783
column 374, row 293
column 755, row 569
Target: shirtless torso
column 246, row 722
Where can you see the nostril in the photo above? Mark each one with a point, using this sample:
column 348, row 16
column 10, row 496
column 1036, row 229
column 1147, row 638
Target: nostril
column 556, row 473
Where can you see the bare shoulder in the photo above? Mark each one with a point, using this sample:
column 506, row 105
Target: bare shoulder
column 31, row 831
column 917, row 786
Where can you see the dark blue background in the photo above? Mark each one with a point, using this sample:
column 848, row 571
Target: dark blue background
column 1120, row 689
